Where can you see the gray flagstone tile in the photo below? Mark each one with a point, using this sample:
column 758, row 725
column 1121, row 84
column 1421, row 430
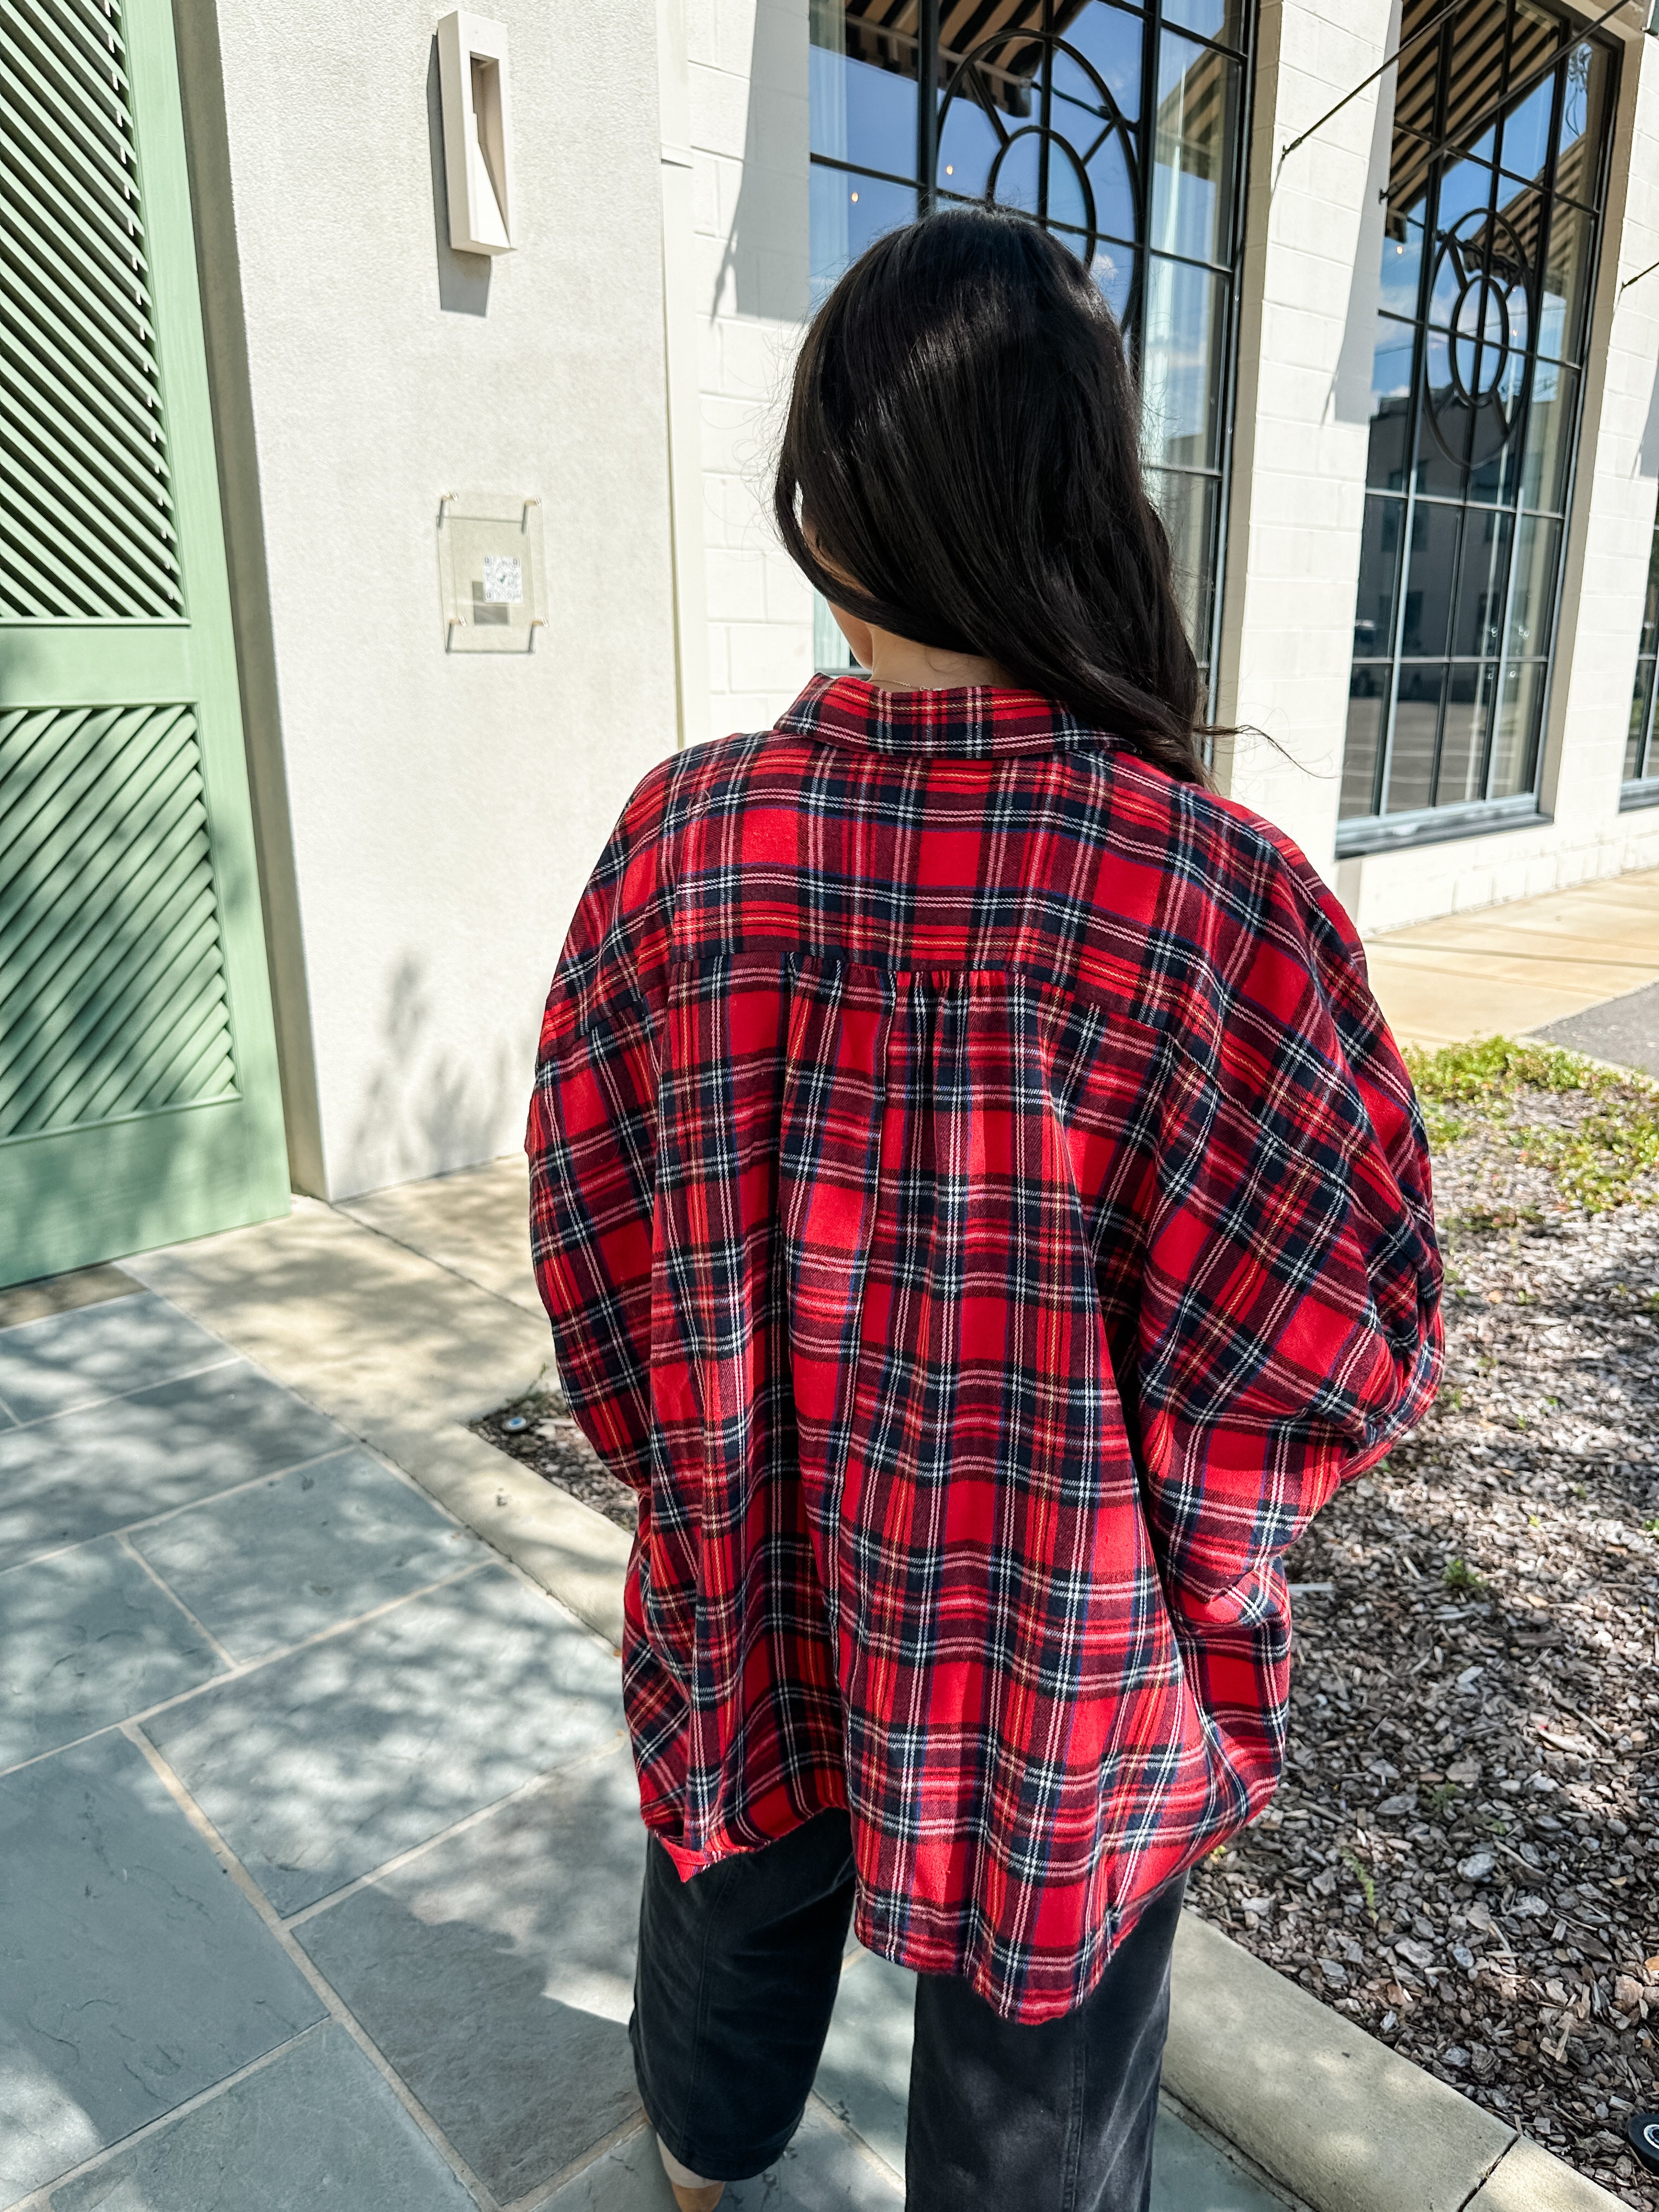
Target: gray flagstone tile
column 67, row 1359
column 321, row 1764
column 317, row 2126
column 85, row 1473
column 821, row 2171
column 136, row 1974
column 495, row 1972
column 87, row 1638
column 270, row 1566
column 864, row 2075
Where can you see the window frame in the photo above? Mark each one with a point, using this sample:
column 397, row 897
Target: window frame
column 934, row 80
column 1434, row 824
column 1381, row 831
column 1641, row 789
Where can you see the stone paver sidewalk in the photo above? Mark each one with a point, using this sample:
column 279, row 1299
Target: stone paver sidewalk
column 1516, row 968
column 318, row 1847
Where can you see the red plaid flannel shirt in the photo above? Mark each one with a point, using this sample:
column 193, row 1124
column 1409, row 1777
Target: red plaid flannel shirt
column 983, row 1215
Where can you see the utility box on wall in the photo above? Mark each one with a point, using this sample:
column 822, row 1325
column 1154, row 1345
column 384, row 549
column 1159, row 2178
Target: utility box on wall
column 490, row 572
column 478, row 133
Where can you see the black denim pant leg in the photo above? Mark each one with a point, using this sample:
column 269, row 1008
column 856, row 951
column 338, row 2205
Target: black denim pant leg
column 1057, row 2117
column 736, row 1980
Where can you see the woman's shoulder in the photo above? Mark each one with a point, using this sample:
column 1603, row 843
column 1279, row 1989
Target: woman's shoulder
column 1231, row 852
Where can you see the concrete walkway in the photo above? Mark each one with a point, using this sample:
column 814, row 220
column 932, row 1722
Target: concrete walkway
column 1513, row 970
column 320, row 1851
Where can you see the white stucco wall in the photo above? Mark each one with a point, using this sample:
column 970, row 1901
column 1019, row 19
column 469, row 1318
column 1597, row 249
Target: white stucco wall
column 445, row 808
column 748, row 69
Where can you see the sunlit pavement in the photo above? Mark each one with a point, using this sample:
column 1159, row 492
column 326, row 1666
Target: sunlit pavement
column 319, row 1849
column 1523, row 967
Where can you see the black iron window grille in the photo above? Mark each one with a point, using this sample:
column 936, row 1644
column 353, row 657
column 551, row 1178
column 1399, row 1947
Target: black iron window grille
column 1121, row 128
column 1641, row 785
column 1488, row 255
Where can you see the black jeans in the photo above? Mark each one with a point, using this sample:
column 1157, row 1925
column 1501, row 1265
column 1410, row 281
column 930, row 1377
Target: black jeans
column 737, row 1980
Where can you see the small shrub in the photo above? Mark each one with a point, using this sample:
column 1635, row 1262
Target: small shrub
column 1457, row 1574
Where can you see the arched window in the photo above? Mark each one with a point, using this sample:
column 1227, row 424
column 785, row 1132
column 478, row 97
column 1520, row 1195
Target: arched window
column 1119, row 128
column 1496, row 181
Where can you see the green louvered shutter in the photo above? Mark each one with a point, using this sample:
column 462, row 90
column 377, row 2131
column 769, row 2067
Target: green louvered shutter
column 138, row 1088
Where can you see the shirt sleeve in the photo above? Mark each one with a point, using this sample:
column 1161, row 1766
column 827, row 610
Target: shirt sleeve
column 1290, row 1325
column 591, row 1140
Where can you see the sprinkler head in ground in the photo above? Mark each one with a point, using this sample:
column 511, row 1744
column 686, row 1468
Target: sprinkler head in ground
column 1643, row 2129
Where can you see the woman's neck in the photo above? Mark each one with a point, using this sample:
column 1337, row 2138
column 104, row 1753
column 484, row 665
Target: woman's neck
column 900, row 664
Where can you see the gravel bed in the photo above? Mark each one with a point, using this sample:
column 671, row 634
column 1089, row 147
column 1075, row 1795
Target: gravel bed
column 539, row 1432
column 1464, row 1854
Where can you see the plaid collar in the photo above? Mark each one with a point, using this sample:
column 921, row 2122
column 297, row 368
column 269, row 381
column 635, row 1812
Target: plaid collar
column 973, row 721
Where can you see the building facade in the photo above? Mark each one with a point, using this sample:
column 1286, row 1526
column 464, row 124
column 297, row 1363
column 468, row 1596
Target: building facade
column 303, row 761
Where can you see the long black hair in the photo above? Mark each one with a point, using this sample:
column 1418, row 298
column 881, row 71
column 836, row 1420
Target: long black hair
column 964, row 440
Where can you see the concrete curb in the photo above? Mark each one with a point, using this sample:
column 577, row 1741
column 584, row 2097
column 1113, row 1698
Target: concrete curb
column 1332, row 2114
column 403, row 1351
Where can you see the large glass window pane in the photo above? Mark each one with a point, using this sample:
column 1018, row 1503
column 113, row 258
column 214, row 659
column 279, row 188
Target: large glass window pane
column 1526, row 141
column 1490, row 233
column 1519, row 710
column 969, row 143
column 1379, row 570
column 1566, row 283
column 1210, row 19
column 1582, row 124
column 862, row 92
column 1367, row 700
column 1391, row 400
column 1112, row 270
column 1416, row 726
column 1431, row 569
column 1470, row 690
column 1549, row 436
column 847, row 213
column 1181, row 360
column 1108, row 39
column 1402, row 256
column 1445, row 424
column 1533, row 590
column 1193, row 173
column 1482, row 582
column 831, row 653
column 1640, row 694
column 1650, row 604
column 1466, row 199
column 1040, row 107
column 1187, row 505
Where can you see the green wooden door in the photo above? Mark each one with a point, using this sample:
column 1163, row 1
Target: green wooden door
column 138, row 1086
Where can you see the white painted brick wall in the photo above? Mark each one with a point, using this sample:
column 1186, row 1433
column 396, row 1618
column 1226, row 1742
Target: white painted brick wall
column 1299, row 472
column 749, row 139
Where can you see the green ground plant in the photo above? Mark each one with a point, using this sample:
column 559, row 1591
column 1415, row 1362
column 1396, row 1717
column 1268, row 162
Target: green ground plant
column 1458, row 1574
column 1598, row 1163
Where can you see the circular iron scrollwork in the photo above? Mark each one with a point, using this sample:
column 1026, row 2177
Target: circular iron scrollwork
column 1491, row 328
column 969, row 80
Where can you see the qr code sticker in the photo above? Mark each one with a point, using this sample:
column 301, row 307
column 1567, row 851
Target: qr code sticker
column 503, row 579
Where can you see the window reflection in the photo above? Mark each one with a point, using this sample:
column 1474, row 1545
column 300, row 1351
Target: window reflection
column 1489, row 236
column 1038, row 105
column 1181, row 365
column 1192, row 183
column 1641, row 746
